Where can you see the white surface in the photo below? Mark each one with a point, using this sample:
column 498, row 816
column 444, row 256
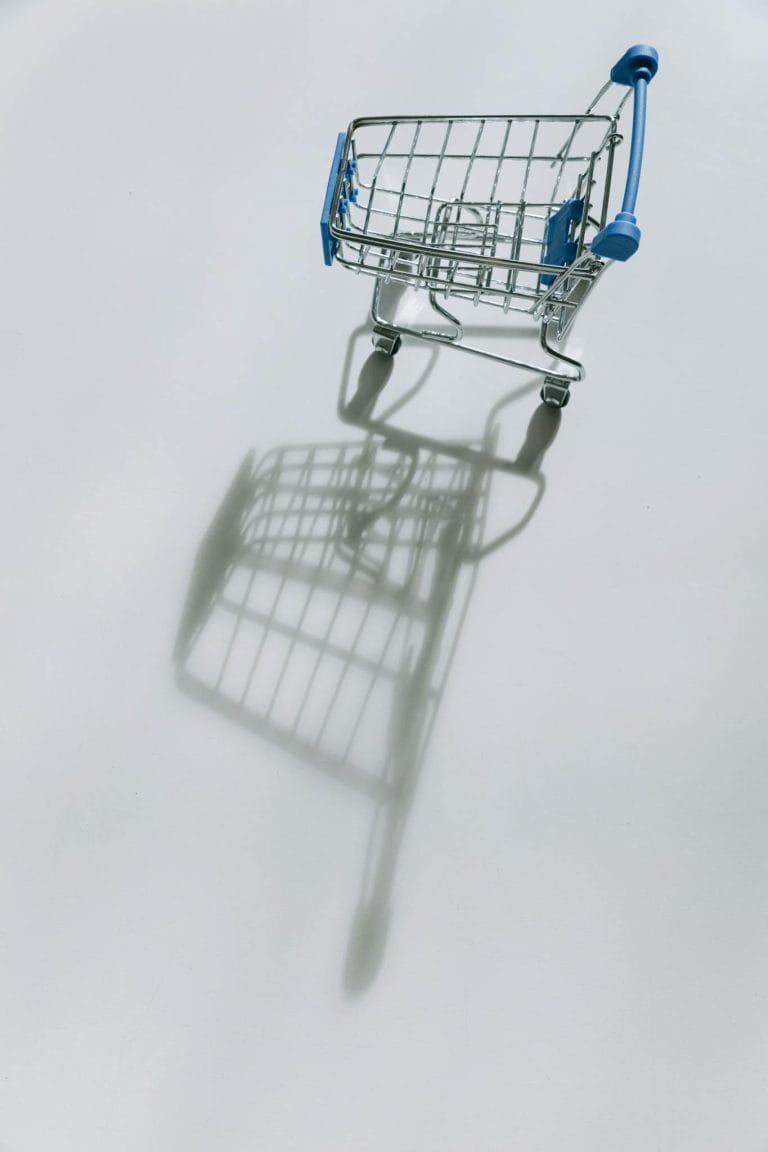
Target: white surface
column 578, row 949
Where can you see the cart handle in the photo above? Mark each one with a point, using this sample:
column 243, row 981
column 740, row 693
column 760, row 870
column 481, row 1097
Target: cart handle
column 621, row 238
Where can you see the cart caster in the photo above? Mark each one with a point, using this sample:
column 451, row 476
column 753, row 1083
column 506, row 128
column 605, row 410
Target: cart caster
column 555, row 394
column 386, row 341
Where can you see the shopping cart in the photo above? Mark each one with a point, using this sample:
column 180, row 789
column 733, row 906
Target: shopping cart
column 508, row 211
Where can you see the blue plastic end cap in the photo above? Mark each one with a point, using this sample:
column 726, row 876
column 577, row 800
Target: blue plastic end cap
column 330, row 244
column 618, row 240
column 640, row 61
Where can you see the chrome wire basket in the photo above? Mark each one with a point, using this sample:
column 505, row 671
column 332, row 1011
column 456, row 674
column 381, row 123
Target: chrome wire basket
column 510, row 211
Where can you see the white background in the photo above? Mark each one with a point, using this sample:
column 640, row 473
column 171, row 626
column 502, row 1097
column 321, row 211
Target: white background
column 578, row 945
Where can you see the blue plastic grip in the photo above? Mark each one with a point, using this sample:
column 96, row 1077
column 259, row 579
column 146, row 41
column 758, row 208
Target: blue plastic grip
column 330, row 243
column 621, row 238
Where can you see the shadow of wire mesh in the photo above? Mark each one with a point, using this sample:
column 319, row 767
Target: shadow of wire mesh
column 323, row 612
column 320, row 589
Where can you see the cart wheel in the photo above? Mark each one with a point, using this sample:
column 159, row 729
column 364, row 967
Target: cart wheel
column 386, row 342
column 554, row 394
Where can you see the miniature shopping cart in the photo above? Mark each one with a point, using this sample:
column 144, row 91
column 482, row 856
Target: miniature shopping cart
column 508, row 211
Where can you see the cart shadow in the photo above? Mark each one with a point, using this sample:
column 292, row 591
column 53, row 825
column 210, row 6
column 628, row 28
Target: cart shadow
column 327, row 599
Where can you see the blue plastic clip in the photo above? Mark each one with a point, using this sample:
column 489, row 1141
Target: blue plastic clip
column 621, row 238
column 349, row 174
column 560, row 248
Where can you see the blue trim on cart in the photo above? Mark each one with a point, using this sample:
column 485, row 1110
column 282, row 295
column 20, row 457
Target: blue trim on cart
column 330, row 243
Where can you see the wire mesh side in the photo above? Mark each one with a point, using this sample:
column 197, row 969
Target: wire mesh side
column 461, row 205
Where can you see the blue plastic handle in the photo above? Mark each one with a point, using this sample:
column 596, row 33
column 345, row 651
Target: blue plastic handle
column 621, row 238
